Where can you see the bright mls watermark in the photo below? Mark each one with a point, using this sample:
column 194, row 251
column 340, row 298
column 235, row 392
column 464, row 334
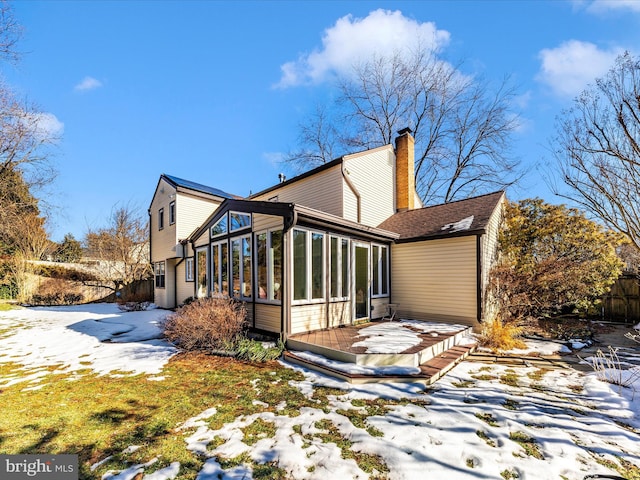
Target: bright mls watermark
column 39, row 467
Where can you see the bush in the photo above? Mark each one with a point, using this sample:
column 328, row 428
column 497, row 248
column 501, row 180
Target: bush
column 136, row 302
column 498, row 336
column 64, row 273
column 54, row 291
column 207, row 324
column 255, row 351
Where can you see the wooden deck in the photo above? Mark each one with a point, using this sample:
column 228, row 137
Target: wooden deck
column 438, row 351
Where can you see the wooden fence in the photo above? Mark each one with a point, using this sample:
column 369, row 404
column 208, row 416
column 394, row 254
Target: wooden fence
column 622, row 303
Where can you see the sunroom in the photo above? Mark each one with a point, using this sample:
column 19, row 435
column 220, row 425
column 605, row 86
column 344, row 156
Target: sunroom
column 296, row 269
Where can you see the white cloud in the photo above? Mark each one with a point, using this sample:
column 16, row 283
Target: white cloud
column 569, row 68
column 602, row 6
column 88, row 83
column 45, row 125
column 351, row 40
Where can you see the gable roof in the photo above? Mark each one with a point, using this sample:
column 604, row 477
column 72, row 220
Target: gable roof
column 294, row 214
column 302, row 176
column 180, row 182
column 459, row 218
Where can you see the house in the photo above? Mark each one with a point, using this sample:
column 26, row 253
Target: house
column 334, row 246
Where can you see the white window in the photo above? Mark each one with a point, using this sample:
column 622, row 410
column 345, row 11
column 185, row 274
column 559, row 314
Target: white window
column 172, row 213
column 308, row 265
column 238, row 221
column 158, row 269
column 188, row 269
column 219, row 267
column 339, row 268
column 220, row 227
column 202, row 272
column 380, row 273
column 241, row 267
column 269, row 265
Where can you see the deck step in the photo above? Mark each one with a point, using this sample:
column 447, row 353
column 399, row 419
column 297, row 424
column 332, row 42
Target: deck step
column 430, row 371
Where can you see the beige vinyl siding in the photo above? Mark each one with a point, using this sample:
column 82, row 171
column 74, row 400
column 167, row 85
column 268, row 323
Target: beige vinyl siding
column 191, row 212
column 165, row 297
column 372, row 174
column 339, row 313
column 379, row 305
column 268, row 317
column 489, row 255
column 436, row 279
column 263, row 222
column 305, row 318
column 202, row 240
column 322, row 191
column 163, row 242
column 249, row 309
column 184, row 288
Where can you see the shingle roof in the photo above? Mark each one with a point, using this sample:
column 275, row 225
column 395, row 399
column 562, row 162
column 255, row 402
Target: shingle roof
column 180, row 182
column 455, row 218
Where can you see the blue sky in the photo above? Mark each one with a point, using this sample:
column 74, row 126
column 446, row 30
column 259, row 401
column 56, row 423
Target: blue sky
column 213, row 91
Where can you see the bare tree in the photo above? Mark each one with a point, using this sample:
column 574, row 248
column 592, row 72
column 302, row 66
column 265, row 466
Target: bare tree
column 598, row 149
column 25, row 135
column 462, row 128
column 317, row 139
column 10, row 33
column 121, row 248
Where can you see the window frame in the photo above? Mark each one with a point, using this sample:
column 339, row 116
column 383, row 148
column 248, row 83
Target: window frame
column 207, row 274
column 309, row 267
column 378, row 277
column 188, row 269
column 159, row 274
column 232, row 214
column 342, row 274
column 241, row 240
column 161, row 218
column 219, row 269
column 269, row 257
column 224, row 218
column 172, row 212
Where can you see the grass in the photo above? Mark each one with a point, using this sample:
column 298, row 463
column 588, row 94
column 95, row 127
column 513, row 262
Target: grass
column 98, row 417
column 510, row 378
column 488, row 418
column 528, row 443
column 483, row 435
column 5, row 306
column 625, row 468
column 372, row 464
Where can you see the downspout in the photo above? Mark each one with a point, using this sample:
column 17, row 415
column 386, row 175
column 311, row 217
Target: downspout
column 479, row 278
column 353, row 188
column 153, row 270
column 175, row 273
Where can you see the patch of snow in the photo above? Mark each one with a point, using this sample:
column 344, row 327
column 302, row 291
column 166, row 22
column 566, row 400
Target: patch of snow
column 98, row 337
column 166, row 473
column 357, row 369
column 197, row 421
column 460, row 225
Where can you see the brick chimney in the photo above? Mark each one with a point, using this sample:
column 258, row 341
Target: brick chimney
column 405, row 173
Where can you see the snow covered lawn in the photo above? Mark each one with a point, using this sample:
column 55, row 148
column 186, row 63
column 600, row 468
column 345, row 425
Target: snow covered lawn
column 98, row 337
column 480, row 421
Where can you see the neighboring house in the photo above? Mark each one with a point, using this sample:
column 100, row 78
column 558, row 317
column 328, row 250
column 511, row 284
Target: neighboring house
column 333, row 246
